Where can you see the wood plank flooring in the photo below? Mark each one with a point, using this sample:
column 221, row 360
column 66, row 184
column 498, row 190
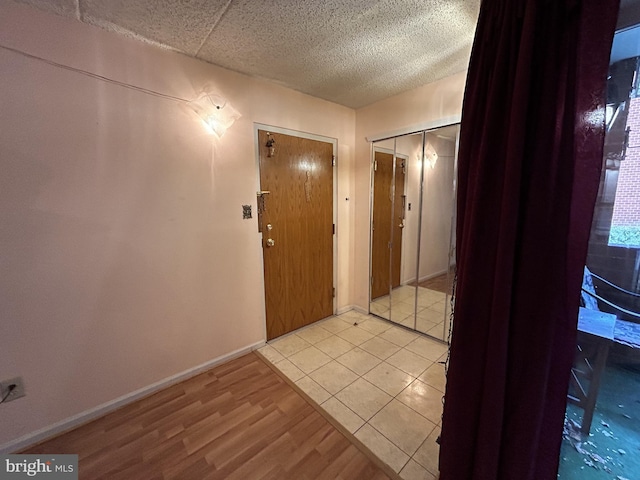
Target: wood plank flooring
column 239, row 420
column 440, row 283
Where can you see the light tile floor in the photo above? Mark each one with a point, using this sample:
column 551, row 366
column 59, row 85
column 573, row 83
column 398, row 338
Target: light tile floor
column 383, row 383
column 431, row 312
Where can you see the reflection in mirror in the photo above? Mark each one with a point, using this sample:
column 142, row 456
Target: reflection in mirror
column 412, row 239
column 435, row 265
column 381, row 229
column 381, row 176
column 394, row 230
column 406, row 222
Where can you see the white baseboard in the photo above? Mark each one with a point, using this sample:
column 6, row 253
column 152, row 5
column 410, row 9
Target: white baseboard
column 348, row 308
column 356, row 308
column 429, row 276
column 101, row 410
column 432, row 275
column 359, row 309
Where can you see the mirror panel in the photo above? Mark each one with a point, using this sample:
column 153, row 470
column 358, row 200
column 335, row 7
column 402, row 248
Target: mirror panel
column 452, row 246
column 412, row 229
column 405, row 225
column 381, row 217
column 435, row 273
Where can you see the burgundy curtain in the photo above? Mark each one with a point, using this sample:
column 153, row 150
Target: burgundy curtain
column 529, row 166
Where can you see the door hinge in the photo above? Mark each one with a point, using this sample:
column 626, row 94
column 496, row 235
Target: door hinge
column 334, row 228
column 375, row 165
column 333, row 160
column 333, row 292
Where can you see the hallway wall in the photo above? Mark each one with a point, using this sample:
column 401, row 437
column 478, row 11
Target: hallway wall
column 125, row 258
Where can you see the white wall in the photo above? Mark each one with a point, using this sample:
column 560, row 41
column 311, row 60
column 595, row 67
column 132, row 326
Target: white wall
column 411, row 146
column 437, row 209
column 424, row 106
column 125, row 259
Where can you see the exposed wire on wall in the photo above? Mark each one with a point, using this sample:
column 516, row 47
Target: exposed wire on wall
column 96, row 76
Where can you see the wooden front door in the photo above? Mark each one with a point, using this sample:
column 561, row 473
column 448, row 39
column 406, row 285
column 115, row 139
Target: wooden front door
column 296, row 219
column 386, row 249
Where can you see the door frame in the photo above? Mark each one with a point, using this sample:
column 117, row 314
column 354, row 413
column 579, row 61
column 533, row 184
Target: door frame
column 404, row 157
column 308, row 136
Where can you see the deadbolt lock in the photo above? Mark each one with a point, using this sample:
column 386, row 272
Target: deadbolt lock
column 270, row 242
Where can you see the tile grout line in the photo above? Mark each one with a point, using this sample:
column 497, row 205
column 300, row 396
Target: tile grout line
column 381, row 463
column 362, row 376
column 359, row 376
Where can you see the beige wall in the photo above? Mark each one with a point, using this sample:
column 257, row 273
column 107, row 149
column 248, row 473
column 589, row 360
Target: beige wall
column 125, row 259
column 437, row 209
column 427, row 106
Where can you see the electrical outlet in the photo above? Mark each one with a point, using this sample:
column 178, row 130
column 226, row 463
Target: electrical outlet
column 16, row 393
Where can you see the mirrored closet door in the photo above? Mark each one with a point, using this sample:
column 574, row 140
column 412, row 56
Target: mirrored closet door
column 413, row 229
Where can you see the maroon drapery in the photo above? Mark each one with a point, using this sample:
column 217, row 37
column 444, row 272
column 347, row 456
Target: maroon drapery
column 529, row 165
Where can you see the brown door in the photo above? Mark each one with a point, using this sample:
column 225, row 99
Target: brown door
column 382, row 203
column 387, row 220
column 296, row 220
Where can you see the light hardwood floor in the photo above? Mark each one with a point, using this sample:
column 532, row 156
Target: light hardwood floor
column 238, row 420
column 441, row 283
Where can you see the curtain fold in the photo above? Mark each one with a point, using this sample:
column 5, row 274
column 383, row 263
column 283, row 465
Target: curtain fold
column 529, row 166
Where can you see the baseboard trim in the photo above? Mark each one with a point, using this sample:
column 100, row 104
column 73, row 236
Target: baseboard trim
column 432, row 275
column 348, row 308
column 358, row 309
column 101, row 410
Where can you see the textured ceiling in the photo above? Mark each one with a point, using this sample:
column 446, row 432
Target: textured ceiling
column 352, row 52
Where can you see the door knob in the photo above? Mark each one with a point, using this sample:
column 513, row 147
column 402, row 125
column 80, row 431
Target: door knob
column 270, row 242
